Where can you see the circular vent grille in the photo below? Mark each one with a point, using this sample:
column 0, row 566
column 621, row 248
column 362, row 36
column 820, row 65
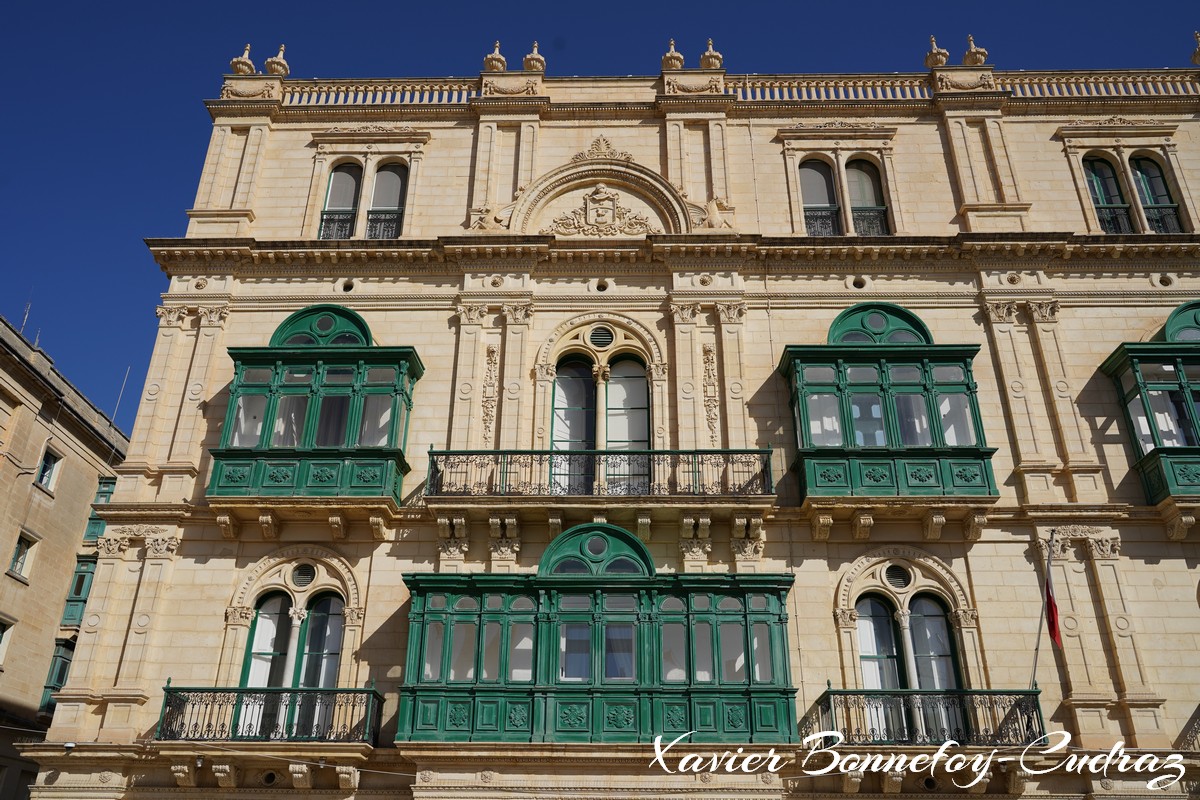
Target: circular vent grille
column 304, row 574
column 897, row 577
column 601, row 337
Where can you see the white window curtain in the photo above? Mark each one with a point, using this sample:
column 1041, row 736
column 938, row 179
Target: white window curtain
column 248, row 420
column 289, row 420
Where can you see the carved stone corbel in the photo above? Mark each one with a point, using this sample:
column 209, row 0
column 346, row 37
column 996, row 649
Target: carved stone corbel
column 973, row 525
column 378, row 529
column 162, row 545
column 112, row 544
column 892, row 781
column 239, row 615
column 703, row 523
column 821, row 523
column 981, row 785
column 227, row 774
column 269, row 524
column 685, row 312
column 554, row 521
column 1002, row 311
column 471, row 313
column 337, row 526
column 185, row 775
column 1043, row 310
column 1015, row 781
column 861, row 524
column 935, row 520
column 747, row 549
column 301, row 776
column 347, row 776
column 1178, row 527
column 695, row 549
column 851, row 781
column 229, row 526
column 756, row 528
column 600, row 517
column 643, row 524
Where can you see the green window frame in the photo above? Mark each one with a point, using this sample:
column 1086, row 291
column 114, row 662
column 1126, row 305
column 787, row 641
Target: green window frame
column 56, row 678
column 78, row 591
column 596, row 646
column 95, row 524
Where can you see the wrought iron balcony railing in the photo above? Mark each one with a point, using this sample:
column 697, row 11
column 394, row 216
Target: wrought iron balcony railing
column 337, row 225
column 270, row 715
column 1163, row 219
column 1114, row 219
column 531, row 473
column 870, row 221
column 908, row 717
column 384, row 224
column 822, row 221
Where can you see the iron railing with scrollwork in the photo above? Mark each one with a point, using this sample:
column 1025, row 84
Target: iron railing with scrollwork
column 266, row 715
column 518, row 473
column 909, row 717
column 337, row 224
column 822, row 221
column 384, row 224
column 1163, row 218
column 1114, row 219
column 870, row 221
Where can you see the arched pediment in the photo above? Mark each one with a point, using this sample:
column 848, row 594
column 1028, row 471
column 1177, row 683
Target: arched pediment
column 600, row 198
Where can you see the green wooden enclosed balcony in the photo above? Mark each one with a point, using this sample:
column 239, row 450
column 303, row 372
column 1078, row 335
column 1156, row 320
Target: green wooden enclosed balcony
column 296, row 473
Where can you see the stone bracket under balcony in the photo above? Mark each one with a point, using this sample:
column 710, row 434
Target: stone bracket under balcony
column 341, row 516
column 929, row 515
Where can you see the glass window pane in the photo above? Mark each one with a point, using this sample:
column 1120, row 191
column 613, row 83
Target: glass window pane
column 389, row 186
column 1141, row 425
column 816, row 184
column 674, row 652
column 298, row 375
column 1127, row 382
column 620, row 602
column 913, row 416
column 520, row 652
column 1170, row 417
column 703, row 648
column 1152, row 189
column 490, row 669
column 673, row 604
column 820, row 375
column 622, row 566
column 905, row 374
column 376, row 426
column 758, row 602
column 866, row 412
column 760, row 646
column 862, row 374
column 343, row 188
column 434, row 634
column 957, row 427
column 701, row 602
column 289, row 420
column 339, row 376
column 733, row 652
column 862, row 180
column 824, row 420
column 570, row 566
column 462, row 651
column 466, row 604
column 494, row 602
column 381, row 375
column 575, row 652
column 902, row 337
column 521, row 604
column 729, row 604
column 248, row 420
column 575, row 602
column 332, row 420
column 950, row 373
column 618, row 651
column 1159, row 371
column 257, row 375
column 437, row 602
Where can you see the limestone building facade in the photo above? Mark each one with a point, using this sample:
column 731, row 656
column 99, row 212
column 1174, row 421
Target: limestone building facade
column 57, row 454
column 498, row 425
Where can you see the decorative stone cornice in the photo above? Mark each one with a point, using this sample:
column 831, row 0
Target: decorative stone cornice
column 601, row 148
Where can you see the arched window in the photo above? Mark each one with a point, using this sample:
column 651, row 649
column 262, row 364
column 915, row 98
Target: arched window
column 573, row 427
column 385, row 220
column 914, row 652
column 1162, row 215
column 627, row 427
column 341, row 202
column 290, row 650
column 614, row 649
column 326, row 407
column 880, row 397
column 867, row 206
column 1111, row 209
column 821, row 213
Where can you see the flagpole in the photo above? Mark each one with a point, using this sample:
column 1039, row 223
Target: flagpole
column 1042, row 617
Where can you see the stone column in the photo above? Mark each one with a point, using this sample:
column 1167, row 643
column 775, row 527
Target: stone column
column 247, row 179
column 690, row 407
column 191, row 426
column 733, row 356
column 364, row 195
column 153, row 414
column 206, row 193
column 1132, row 198
column 463, row 430
column 513, row 375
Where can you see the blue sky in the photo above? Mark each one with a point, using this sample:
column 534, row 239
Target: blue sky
column 104, row 126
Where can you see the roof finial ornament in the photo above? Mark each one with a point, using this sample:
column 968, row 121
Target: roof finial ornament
column 1196, row 55
column 277, row 66
column 535, row 61
column 936, row 57
column 672, row 59
column 975, row 56
column 493, row 61
column 711, row 59
column 242, row 65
